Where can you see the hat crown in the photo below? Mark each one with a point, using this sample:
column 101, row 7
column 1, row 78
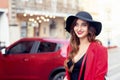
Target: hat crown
column 84, row 15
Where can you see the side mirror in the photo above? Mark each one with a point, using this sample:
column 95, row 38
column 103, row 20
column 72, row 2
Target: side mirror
column 2, row 47
column 2, row 50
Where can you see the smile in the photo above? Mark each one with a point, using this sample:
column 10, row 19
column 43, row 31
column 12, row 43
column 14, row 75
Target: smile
column 79, row 32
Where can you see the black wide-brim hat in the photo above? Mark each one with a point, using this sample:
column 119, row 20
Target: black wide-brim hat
column 86, row 17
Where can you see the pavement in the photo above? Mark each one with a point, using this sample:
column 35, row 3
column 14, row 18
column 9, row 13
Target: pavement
column 113, row 64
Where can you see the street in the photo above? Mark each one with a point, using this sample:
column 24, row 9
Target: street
column 114, row 64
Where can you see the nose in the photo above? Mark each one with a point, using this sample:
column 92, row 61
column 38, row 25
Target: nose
column 79, row 27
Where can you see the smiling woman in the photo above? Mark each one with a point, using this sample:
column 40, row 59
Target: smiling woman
column 87, row 59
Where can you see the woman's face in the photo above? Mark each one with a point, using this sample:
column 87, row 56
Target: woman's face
column 81, row 28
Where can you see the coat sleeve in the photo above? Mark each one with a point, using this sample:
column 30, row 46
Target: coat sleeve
column 101, row 63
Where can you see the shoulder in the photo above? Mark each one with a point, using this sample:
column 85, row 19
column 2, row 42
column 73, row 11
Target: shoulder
column 97, row 47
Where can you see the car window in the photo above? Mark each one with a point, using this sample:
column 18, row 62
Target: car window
column 47, row 47
column 22, row 47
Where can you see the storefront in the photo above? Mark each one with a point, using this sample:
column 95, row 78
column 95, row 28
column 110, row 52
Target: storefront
column 39, row 25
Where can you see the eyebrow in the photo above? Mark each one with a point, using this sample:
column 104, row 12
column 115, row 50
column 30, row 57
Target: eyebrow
column 85, row 22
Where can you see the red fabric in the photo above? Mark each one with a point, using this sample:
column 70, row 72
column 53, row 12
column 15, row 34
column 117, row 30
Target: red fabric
column 96, row 62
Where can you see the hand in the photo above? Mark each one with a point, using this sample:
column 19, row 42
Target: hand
column 65, row 78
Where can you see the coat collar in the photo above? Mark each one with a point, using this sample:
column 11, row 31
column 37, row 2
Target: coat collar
column 89, row 58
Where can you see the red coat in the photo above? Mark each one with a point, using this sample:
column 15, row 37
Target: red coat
column 96, row 62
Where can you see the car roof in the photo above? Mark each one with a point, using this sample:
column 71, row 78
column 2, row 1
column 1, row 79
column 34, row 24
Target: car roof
column 46, row 39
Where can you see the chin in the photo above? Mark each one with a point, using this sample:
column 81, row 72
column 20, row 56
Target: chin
column 81, row 36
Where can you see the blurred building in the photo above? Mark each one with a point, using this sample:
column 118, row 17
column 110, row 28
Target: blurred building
column 4, row 25
column 40, row 18
column 46, row 18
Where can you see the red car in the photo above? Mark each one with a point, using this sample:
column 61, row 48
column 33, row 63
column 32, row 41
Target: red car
column 34, row 59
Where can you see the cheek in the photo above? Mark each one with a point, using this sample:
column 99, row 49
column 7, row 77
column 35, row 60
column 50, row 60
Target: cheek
column 75, row 29
column 86, row 29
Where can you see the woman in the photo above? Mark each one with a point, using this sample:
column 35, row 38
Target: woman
column 87, row 59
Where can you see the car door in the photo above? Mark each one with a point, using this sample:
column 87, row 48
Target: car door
column 16, row 61
column 44, row 59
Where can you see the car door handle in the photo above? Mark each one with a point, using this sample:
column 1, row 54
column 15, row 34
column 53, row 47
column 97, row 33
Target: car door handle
column 25, row 59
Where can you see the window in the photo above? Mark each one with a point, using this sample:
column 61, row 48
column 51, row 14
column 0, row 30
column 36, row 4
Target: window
column 47, row 47
column 23, row 29
column 52, row 26
column 73, row 3
column 23, row 47
column 24, row 0
column 54, row 5
column 39, row 1
column 65, row 3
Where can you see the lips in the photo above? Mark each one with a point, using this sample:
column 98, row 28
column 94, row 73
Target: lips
column 79, row 32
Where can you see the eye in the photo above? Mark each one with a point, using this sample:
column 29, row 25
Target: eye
column 76, row 24
column 84, row 24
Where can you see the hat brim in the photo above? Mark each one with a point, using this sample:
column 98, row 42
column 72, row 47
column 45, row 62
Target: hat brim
column 97, row 25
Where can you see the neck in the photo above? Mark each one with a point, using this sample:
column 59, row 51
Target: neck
column 84, row 41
